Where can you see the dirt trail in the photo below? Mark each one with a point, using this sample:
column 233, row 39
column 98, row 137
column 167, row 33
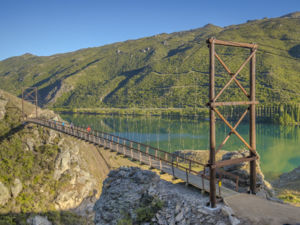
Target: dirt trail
column 262, row 211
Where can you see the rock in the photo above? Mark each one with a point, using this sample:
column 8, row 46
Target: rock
column 38, row 220
column 234, row 220
column 4, row 194
column 73, row 197
column 78, row 168
column 62, row 163
column 30, row 142
column 220, row 223
column 227, row 211
column 16, row 188
column 179, row 217
column 3, row 103
column 290, row 180
column 128, row 193
column 242, row 171
column 177, row 209
column 262, row 194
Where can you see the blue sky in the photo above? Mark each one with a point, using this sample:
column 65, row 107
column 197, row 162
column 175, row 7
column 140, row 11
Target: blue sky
column 46, row 27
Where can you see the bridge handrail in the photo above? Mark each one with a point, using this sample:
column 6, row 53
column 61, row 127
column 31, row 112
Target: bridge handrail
column 110, row 137
column 131, row 141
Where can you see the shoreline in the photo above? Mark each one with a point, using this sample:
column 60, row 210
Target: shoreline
column 189, row 112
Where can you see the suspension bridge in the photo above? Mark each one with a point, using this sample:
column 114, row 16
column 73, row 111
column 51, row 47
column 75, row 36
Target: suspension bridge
column 191, row 171
column 188, row 170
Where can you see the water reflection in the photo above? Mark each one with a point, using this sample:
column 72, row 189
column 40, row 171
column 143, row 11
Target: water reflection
column 277, row 145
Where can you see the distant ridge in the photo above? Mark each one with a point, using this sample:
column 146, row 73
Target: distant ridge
column 164, row 70
column 292, row 15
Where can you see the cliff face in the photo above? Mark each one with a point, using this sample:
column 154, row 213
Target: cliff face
column 134, row 196
column 42, row 170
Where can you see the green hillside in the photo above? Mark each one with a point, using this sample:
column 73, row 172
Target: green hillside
column 165, row 70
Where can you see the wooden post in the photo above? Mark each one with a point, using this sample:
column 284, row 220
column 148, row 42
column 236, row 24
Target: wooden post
column 140, row 157
column 118, row 142
column 173, row 174
column 212, row 152
column 150, row 162
column 131, row 151
column 124, row 147
column 252, row 125
column 187, row 177
column 36, row 103
column 149, row 157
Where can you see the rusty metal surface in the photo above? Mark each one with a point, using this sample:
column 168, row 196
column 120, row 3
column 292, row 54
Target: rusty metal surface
column 232, row 43
column 212, row 124
column 235, row 161
column 252, row 131
column 212, row 104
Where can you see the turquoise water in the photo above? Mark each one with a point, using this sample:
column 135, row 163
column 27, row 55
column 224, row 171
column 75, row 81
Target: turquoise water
column 278, row 146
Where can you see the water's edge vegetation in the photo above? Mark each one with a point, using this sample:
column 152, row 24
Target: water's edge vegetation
column 283, row 114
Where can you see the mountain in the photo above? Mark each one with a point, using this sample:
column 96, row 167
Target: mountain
column 165, row 70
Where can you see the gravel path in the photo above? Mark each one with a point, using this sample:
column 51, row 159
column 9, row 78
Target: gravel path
column 262, row 211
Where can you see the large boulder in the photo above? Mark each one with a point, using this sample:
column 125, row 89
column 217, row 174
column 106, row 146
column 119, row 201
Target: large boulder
column 242, row 170
column 38, row 220
column 134, row 196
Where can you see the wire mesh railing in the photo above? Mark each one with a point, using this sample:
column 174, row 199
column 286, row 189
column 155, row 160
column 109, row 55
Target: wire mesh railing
column 154, row 157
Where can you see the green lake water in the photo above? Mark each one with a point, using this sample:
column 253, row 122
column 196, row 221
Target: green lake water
column 278, row 146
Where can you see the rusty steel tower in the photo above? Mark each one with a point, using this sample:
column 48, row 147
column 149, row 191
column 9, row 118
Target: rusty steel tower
column 213, row 104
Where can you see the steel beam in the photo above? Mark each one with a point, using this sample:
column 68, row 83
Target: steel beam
column 212, row 152
column 213, row 104
column 213, row 109
column 252, row 131
column 231, row 43
column 228, row 162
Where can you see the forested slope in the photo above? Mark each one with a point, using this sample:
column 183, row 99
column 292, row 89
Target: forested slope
column 165, row 70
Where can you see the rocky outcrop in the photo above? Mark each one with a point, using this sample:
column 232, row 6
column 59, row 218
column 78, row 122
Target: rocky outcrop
column 38, row 220
column 4, row 194
column 264, row 188
column 287, row 187
column 16, row 188
column 242, row 170
column 290, row 180
column 134, row 196
column 54, row 166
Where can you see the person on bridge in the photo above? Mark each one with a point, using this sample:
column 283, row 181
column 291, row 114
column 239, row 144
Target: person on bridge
column 88, row 129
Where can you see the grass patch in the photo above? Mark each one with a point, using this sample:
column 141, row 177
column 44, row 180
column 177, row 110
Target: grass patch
column 292, row 197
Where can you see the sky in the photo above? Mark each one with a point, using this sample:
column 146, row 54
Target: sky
column 47, row 27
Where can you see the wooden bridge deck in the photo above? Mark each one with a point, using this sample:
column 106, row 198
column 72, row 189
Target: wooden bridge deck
column 177, row 166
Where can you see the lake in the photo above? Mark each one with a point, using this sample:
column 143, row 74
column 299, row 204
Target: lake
column 277, row 145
